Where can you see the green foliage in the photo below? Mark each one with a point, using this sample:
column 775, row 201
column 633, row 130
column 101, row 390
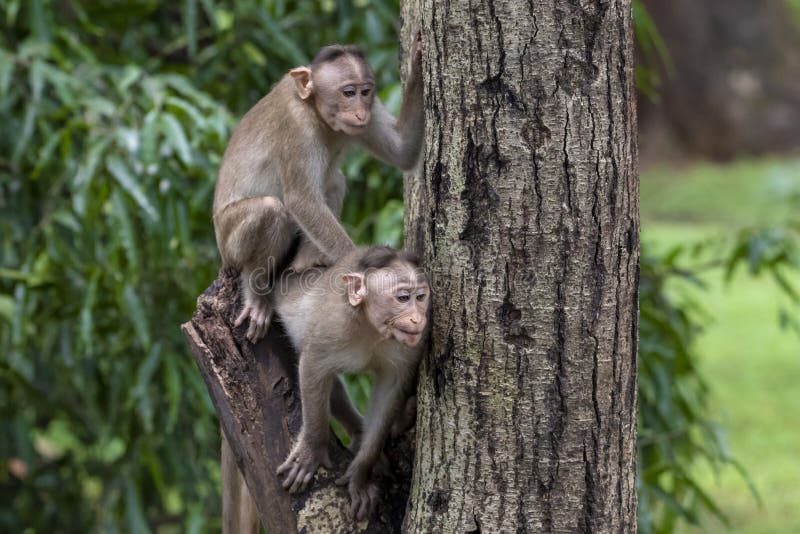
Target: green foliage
column 677, row 430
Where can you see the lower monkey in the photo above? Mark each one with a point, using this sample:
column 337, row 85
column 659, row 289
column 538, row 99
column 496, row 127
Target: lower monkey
column 367, row 313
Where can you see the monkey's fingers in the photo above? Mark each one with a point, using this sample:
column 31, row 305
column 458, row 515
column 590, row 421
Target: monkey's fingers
column 291, row 477
column 345, row 479
column 251, row 331
column 244, row 314
column 286, row 465
column 263, row 322
column 302, row 478
column 362, row 501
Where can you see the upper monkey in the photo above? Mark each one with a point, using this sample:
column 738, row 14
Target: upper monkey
column 279, row 182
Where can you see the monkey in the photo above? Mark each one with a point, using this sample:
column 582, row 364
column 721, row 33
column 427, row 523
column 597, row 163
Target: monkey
column 280, row 190
column 366, row 313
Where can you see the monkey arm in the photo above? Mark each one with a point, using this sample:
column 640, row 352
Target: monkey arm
column 314, row 216
column 387, row 399
column 398, row 142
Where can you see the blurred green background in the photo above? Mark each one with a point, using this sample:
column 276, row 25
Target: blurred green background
column 113, row 118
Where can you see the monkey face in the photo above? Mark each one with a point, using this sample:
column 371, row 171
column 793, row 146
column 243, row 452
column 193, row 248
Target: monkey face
column 395, row 300
column 399, row 303
column 343, row 94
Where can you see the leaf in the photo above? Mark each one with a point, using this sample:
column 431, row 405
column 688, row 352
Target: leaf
column 102, row 106
column 86, row 318
column 282, row 43
column 130, row 75
column 182, row 85
column 708, row 503
column 139, row 393
column 6, row 72
column 172, row 381
column 134, row 309
column 35, row 81
column 195, row 521
column 254, row 54
column 137, row 523
column 191, row 111
column 190, row 25
column 45, row 154
column 125, row 226
column 120, row 171
column 149, row 137
column 177, row 138
column 785, row 285
column 7, row 306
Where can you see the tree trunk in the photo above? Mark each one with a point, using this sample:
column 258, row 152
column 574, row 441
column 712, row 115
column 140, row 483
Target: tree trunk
column 526, row 212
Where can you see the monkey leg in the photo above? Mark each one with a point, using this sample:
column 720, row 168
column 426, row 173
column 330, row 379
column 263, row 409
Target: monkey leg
column 239, row 514
column 344, row 412
column 311, row 448
column 255, row 235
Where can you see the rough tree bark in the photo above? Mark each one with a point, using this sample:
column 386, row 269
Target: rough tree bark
column 526, row 212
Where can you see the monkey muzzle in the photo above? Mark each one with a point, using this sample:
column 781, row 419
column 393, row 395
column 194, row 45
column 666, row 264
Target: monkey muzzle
column 408, row 329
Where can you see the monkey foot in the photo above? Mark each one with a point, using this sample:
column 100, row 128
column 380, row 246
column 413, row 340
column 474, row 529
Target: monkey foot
column 300, row 466
column 259, row 311
column 363, row 495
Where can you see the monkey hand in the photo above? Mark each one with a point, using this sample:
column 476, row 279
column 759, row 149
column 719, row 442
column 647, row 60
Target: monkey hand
column 301, row 464
column 363, row 492
column 259, row 311
column 308, row 257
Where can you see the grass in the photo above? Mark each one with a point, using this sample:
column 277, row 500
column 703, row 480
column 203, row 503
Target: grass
column 751, row 365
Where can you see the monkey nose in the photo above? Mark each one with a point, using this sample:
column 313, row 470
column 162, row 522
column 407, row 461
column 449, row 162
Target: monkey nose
column 414, row 319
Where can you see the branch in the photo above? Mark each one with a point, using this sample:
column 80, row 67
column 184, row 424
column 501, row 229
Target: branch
column 255, row 392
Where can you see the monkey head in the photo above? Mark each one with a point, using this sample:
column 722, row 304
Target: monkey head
column 340, row 85
column 394, row 294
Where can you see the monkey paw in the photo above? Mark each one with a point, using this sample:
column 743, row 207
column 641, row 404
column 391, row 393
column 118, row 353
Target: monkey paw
column 259, row 311
column 301, row 464
column 363, row 494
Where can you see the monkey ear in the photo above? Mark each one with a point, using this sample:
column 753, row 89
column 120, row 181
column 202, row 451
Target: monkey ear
column 302, row 81
column 356, row 290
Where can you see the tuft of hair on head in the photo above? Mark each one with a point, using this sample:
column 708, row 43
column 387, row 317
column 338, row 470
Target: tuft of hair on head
column 333, row 52
column 379, row 257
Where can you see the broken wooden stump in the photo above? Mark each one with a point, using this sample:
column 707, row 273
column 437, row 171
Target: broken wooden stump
column 255, row 392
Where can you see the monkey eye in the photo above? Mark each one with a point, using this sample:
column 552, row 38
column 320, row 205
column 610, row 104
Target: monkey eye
column 403, row 297
column 421, row 297
column 349, row 91
column 365, row 92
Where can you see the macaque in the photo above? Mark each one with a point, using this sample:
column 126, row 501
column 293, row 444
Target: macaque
column 280, row 190
column 366, row 313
